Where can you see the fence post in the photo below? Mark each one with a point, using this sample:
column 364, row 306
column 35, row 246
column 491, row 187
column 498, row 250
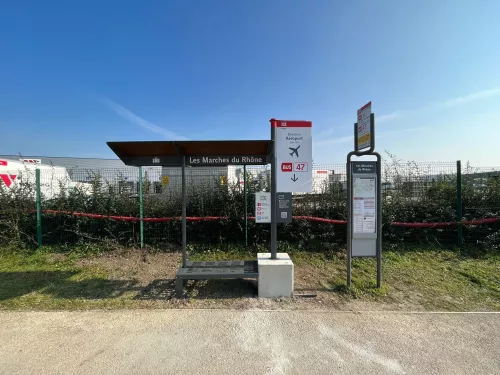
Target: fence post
column 38, row 208
column 459, row 203
column 141, row 212
column 245, row 190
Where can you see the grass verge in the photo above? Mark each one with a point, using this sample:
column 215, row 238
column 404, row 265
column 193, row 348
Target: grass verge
column 435, row 280
column 419, row 279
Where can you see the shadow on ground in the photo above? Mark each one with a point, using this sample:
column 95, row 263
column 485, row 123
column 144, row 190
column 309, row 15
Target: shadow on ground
column 58, row 285
column 17, row 284
column 164, row 289
column 157, row 290
column 96, row 288
column 224, row 288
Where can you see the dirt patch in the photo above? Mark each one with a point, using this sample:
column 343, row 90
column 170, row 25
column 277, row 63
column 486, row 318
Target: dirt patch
column 134, row 264
column 154, row 275
column 128, row 278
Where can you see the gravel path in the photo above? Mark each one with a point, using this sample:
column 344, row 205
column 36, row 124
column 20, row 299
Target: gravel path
column 248, row 342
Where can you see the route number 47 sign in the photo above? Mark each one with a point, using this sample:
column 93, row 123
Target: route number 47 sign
column 293, row 147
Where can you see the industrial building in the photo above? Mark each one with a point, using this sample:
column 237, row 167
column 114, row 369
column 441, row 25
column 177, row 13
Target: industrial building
column 167, row 180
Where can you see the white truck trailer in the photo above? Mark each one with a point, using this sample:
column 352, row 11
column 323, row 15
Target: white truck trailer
column 21, row 174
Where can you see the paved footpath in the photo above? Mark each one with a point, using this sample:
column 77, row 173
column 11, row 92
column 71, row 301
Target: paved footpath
column 248, row 342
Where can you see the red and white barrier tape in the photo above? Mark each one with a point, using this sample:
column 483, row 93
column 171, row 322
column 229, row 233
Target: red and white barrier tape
column 308, row 218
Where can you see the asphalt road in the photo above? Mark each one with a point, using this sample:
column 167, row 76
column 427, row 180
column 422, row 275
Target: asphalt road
column 248, row 342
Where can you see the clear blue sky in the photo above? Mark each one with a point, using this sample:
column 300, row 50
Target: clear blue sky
column 77, row 74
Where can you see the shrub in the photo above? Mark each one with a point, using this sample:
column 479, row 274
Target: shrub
column 414, row 193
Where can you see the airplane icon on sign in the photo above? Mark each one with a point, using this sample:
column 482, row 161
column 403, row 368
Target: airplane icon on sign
column 294, row 151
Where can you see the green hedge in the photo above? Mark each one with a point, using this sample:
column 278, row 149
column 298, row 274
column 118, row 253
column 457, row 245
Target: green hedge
column 436, row 202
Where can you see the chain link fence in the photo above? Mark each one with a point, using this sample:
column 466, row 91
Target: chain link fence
column 423, row 203
column 481, row 200
column 419, row 193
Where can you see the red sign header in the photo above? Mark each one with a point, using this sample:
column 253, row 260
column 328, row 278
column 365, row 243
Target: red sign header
column 290, row 124
column 286, row 167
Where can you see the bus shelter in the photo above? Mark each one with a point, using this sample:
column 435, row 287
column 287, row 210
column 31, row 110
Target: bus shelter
column 200, row 154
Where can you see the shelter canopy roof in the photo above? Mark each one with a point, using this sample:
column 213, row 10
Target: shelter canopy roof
column 201, row 153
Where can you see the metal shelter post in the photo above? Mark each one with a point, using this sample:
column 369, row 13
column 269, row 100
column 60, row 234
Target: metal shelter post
column 184, row 231
column 245, row 197
column 349, row 218
column 274, row 175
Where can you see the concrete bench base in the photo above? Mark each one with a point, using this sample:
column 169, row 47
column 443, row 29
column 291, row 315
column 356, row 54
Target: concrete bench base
column 275, row 275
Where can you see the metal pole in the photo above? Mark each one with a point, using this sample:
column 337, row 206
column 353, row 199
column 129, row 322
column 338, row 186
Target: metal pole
column 245, row 196
column 379, row 220
column 274, row 175
column 38, row 208
column 349, row 220
column 459, row 203
column 141, row 210
column 355, row 137
column 372, row 131
column 184, row 232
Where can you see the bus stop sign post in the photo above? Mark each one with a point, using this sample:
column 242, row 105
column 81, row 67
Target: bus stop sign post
column 364, row 196
column 291, row 168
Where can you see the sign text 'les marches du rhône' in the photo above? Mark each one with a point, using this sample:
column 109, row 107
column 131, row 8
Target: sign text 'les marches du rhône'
column 204, row 160
column 293, row 147
column 225, row 160
column 363, row 127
